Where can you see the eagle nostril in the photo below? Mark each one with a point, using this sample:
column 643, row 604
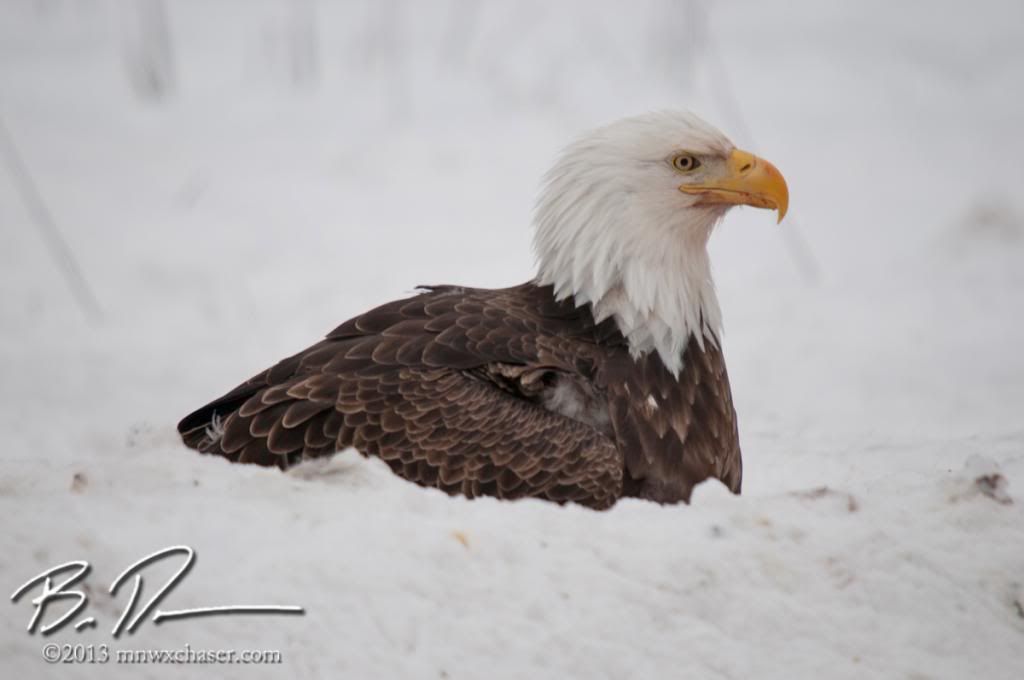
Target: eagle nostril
column 745, row 167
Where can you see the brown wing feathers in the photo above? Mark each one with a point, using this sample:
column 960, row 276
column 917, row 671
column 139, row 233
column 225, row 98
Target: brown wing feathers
column 447, row 388
column 398, row 383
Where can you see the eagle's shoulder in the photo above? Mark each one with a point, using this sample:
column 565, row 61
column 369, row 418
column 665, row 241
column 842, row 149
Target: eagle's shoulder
column 461, row 327
column 531, row 307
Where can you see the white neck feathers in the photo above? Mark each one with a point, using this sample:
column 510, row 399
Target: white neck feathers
column 611, row 232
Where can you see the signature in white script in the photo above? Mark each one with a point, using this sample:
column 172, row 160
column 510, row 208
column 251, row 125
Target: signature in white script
column 80, row 568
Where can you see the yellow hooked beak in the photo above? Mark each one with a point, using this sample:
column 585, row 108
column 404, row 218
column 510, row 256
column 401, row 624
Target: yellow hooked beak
column 750, row 181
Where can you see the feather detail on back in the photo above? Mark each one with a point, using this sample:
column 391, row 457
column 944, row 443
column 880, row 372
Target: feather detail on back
column 505, row 392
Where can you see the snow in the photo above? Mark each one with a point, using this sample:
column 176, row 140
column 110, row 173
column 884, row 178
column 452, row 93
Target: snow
column 231, row 210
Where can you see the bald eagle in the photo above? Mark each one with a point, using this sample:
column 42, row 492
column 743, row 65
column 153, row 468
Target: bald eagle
column 603, row 377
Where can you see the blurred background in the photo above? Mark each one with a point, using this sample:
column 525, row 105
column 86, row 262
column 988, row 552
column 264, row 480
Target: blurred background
column 191, row 190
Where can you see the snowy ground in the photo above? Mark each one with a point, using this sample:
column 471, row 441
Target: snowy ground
column 230, row 209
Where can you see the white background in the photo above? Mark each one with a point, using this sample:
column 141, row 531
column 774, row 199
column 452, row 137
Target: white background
column 236, row 178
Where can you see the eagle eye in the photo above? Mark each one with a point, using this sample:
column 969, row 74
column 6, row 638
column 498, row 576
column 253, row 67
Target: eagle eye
column 685, row 162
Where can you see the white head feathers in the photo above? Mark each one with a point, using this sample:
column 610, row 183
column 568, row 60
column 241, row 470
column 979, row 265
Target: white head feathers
column 613, row 230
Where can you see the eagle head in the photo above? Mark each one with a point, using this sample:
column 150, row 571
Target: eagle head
column 624, row 217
